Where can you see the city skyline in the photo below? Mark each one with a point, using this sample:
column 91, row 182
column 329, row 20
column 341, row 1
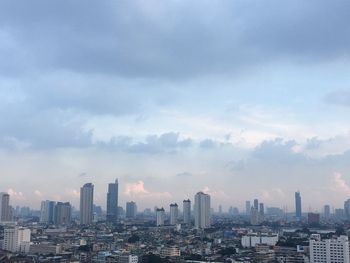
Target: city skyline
column 258, row 109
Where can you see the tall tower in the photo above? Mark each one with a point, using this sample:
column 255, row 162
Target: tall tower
column 112, row 202
column 256, row 204
column 202, row 210
column 5, row 209
column 174, row 213
column 247, row 207
column 160, row 214
column 131, row 209
column 187, row 211
column 86, row 204
column 297, row 205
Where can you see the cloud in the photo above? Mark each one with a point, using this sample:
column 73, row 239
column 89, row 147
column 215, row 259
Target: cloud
column 38, row 194
column 207, row 144
column 137, row 190
column 340, row 185
column 18, row 196
column 184, row 174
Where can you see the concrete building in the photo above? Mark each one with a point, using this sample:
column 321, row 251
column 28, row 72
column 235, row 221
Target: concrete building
column 298, row 205
column 256, row 204
column 16, row 239
column 313, row 218
column 5, row 208
column 327, row 212
column 174, row 214
column 247, row 208
column 261, row 211
column 112, row 202
column 160, row 216
column 63, row 213
column 329, row 250
column 47, row 212
column 254, row 216
column 253, row 239
column 131, row 209
column 202, row 210
column 170, row 251
column 86, row 204
column 187, row 212
column 128, row 259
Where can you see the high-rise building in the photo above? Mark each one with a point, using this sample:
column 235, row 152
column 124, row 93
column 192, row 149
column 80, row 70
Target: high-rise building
column 347, row 209
column 220, row 210
column 297, row 205
column 16, row 239
column 47, row 211
column 86, row 204
column 256, row 204
column 261, row 211
column 327, row 211
column 187, row 211
column 329, row 250
column 131, row 209
column 63, row 213
column 254, row 216
column 112, row 202
column 160, row 216
column 247, row 207
column 5, row 209
column 202, row 210
column 174, row 214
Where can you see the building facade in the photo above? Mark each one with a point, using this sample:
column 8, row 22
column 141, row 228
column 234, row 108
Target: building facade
column 86, row 204
column 112, row 202
column 202, row 210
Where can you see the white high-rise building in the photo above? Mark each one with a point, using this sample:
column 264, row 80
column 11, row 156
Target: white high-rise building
column 16, row 239
column 86, row 204
column 174, row 214
column 5, row 208
column 160, row 214
column 202, row 210
column 329, row 250
column 187, row 211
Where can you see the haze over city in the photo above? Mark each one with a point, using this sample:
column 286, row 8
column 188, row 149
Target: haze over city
column 238, row 99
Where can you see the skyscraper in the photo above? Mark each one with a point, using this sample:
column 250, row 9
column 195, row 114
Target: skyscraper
column 261, row 211
column 297, row 205
column 256, row 204
column 327, row 211
column 174, row 213
column 47, row 211
column 5, row 209
column 247, row 207
column 347, row 209
column 254, row 216
column 202, row 210
column 112, row 202
column 160, row 215
column 187, row 211
column 63, row 213
column 86, row 204
column 131, row 209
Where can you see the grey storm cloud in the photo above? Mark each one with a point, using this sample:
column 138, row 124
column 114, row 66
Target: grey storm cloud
column 169, row 39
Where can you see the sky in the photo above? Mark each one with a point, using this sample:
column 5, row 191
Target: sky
column 241, row 99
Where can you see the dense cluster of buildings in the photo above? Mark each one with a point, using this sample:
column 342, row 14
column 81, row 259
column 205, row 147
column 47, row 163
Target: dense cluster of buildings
column 187, row 233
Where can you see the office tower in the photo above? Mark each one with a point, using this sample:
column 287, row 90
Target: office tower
column 160, row 215
column 256, row 204
column 187, row 211
column 329, row 250
column 202, row 210
column 247, row 207
column 63, row 213
column 347, row 209
column 47, row 211
column 86, row 204
column 220, row 209
column 174, row 214
column 112, row 202
column 131, row 209
column 16, row 239
column 5, row 209
column 261, row 211
column 297, row 205
column 327, row 211
column 254, row 216
column 339, row 213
